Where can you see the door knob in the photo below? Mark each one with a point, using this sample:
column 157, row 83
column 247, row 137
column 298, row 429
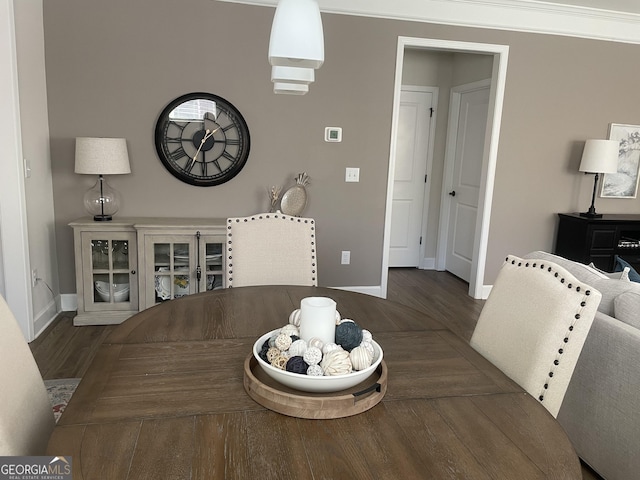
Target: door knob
column 452, row 193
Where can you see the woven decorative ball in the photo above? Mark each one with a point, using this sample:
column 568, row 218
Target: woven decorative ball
column 367, row 345
column 331, row 346
column 361, row 358
column 272, row 354
column 316, row 342
column 280, row 362
column 338, row 317
column 366, row 335
column 297, row 365
column 348, row 335
column 294, row 317
column 312, row 356
column 290, row 330
column 315, row 371
column 283, row 342
column 336, row 362
column 298, row 348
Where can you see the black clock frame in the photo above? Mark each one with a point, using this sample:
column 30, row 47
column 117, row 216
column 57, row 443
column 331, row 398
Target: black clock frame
column 231, row 139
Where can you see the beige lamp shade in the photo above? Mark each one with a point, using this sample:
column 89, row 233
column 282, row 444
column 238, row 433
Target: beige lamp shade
column 297, row 38
column 102, row 156
column 600, row 156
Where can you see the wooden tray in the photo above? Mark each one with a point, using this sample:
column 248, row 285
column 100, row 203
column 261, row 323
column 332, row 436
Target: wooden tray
column 295, row 403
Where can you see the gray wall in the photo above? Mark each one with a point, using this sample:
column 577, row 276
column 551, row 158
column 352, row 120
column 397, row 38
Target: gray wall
column 112, row 67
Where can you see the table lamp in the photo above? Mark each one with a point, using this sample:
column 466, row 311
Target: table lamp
column 599, row 156
column 101, row 156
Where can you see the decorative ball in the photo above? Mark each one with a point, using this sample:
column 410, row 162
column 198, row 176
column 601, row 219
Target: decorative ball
column 272, row 354
column 297, row 365
column 298, row 348
column 280, row 362
column 290, row 330
column 336, row 362
column 348, row 335
column 361, row 358
column 368, row 346
column 338, row 317
column 345, row 320
column 331, row 346
column 366, row 335
column 315, row 371
column 263, row 351
column 312, row 356
column 294, row 317
column 283, row 342
column 316, row 342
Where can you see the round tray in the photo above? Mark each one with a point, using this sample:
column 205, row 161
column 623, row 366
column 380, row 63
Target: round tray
column 295, row 403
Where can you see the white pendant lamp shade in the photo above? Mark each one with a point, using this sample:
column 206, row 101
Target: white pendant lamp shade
column 290, row 88
column 292, row 75
column 297, row 38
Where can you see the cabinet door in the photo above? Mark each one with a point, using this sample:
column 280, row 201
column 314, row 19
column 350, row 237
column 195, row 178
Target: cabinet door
column 211, row 262
column 109, row 271
column 170, row 267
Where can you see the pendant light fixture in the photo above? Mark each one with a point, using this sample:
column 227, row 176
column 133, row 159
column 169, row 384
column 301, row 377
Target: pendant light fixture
column 296, row 46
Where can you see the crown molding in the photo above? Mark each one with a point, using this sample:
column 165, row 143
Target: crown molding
column 514, row 15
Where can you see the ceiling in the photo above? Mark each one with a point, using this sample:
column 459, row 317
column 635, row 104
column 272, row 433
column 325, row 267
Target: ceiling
column 628, row 6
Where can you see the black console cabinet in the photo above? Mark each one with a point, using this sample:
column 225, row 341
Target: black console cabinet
column 599, row 240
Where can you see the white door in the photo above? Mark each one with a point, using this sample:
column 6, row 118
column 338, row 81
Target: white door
column 465, row 147
column 412, row 154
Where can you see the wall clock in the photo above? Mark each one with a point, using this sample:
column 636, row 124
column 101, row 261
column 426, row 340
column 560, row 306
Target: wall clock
column 202, row 139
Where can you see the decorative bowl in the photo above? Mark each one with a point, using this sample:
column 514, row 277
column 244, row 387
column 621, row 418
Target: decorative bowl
column 120, row 291
column 309, row 383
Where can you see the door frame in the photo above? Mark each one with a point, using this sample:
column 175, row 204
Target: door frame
column 449, row 164
column 500, row 53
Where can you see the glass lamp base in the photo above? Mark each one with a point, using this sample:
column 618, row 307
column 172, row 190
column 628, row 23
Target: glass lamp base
column 101, row 201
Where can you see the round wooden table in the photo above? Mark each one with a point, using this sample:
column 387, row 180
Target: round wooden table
column 164, row 398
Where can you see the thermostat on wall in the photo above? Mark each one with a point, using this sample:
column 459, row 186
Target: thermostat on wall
column 333, row 134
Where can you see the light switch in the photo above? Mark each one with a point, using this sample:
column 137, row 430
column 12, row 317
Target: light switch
column 352, row 175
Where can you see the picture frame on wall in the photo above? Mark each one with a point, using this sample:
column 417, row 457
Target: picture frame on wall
column 624, row 184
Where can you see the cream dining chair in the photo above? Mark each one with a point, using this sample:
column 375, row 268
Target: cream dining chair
column 534, row 324
column 271, row 249
column 26, row 416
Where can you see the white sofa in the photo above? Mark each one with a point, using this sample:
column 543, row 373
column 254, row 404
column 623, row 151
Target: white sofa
column 601, row 409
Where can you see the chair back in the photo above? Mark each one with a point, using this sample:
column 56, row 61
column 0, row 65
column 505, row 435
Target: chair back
column 271, row 249
column 534, row 325
column 26, row 417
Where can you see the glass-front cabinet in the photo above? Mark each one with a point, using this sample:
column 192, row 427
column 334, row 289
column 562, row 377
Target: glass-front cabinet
column 181, row 264
column 129, row 264
column 106, row 276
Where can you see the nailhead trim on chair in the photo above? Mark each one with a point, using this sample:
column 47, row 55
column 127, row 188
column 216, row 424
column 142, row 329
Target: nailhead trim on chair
column 570, row 329
column 259, row 217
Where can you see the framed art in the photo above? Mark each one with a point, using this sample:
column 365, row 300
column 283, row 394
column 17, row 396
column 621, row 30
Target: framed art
column 624, row 184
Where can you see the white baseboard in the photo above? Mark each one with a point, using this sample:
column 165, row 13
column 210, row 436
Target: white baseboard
column 427, row 264
column 68, row 302
column 374, row 290
column 43, row 319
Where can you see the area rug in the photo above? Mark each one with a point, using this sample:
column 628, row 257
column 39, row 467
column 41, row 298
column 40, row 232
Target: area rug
column 60, row 392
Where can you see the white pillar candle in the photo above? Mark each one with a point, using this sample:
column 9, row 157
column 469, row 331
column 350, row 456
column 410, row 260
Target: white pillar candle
column 318, row 319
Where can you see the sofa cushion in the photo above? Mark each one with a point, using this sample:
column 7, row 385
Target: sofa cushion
column 609, row 288
column 622, row 264
column 621, row 275
column 626, row 307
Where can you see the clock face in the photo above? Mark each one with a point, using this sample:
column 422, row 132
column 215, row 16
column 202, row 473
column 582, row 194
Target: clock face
column 202, row 139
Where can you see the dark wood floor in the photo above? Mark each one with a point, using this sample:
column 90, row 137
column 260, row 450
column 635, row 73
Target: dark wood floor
column 64, row 351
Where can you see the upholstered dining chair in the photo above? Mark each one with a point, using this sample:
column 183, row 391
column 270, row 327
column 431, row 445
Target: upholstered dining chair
column 271, row 249
column 534, row 324
column 26, row 416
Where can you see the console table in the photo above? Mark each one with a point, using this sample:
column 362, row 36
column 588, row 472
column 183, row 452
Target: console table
column 130, row 264
column 599, row 240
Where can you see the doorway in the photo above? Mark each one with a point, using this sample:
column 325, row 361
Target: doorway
column 499, row 54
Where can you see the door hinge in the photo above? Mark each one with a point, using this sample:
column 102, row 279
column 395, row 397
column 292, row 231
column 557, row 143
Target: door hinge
column 420, row 240
column 431, row 109
column 425, row 178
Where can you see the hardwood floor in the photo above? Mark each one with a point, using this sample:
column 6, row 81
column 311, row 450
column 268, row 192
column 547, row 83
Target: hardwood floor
column 64, row 351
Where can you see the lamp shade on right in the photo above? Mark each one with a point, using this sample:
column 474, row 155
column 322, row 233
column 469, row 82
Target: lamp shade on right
column 600, row 156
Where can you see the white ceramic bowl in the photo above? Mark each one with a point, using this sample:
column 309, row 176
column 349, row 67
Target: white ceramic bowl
column 120, row 291
column 309, row 383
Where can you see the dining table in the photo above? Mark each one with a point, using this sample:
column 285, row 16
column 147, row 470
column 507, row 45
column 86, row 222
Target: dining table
column 165, row 397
